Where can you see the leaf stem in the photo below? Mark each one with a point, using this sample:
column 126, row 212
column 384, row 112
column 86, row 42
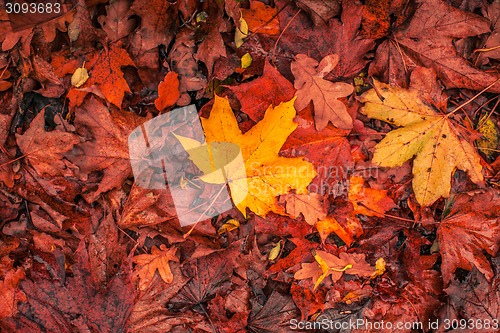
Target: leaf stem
column 461, row 106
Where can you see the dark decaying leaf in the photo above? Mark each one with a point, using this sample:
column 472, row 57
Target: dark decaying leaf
column 273, row 316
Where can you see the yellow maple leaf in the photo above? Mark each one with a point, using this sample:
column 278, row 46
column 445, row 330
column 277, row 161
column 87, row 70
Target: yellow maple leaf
column 262, row 175
column 439, row 146
column 157, row 260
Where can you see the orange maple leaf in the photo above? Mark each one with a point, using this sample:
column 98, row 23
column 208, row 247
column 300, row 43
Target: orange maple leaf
column 157, row 260
column 106, row 77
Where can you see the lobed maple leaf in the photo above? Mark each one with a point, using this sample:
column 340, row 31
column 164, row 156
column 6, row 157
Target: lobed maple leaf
column 274, row 316
column 53, row 298
column 265, row 175
column 157, row 260
column 255, row 96
column 440, row 147
column 311, row 86
column 338, row 36
column 106, row 75
column 327, row 264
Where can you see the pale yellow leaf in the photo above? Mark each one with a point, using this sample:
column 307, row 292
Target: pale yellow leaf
column 439, row 145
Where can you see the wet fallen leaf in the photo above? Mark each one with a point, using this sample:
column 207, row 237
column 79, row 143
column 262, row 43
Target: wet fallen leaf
column 468, row 232
column 428, row 39
column 45, row 150
column 108, row 150
column 274, row 315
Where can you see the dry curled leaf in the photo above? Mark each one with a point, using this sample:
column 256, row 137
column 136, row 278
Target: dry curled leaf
column 80, row 76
